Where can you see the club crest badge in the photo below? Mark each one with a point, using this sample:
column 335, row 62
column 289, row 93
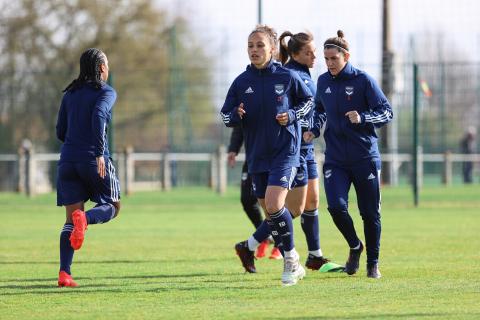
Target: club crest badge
column 349, row 92
column 279, row 89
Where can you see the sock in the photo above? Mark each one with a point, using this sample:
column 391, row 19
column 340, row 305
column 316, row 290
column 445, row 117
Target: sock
column 291, row 254
column 276, row 237
column 357, row 247
column 282, row 222
column 263, row 231
column 309, row 221
column 66, row 250
column 100, row 213
column 252, row 243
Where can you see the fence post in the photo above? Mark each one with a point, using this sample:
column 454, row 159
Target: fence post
column 129, row 169
column 222, row 169
column 167, row 174
column 395, row 166
column 447, row 168
column 29, row 169
column 320, row 159
column 420, row 166
column 21, row 184
column 213, row 183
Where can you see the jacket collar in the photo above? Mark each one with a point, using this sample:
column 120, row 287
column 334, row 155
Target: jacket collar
column 271, row 67
column 292, row 64
column 347, row 72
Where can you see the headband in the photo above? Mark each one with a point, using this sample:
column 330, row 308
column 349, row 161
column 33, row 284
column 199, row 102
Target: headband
column 328, row 45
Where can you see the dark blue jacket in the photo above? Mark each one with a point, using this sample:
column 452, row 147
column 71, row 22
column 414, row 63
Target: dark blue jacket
column 306, row 120
column 82, row 122
column 266, row 93
column 350, row 90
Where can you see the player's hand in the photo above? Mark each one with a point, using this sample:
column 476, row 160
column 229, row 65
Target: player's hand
column 282, row 118
column 308, row 136
column 354, row 116
column 101, row 167
column 241, row 110
column 231, row 158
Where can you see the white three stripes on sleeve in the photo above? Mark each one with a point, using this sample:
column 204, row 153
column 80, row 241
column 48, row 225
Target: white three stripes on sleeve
column 225, row 117
column 301, row 112
column 385, row 116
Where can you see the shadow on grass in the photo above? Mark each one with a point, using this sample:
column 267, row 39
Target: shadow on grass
column 390, row 316
column 85, row 262
column 159, row 276
column 178, row 282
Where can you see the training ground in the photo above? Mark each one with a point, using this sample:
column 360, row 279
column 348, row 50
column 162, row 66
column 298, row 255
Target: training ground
column 170, row 255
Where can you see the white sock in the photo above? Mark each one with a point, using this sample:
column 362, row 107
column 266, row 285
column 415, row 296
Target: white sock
column 316, row 253
column 252, row 243
column 291, row 254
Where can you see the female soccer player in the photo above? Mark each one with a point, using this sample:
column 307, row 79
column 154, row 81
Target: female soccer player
column 352, row 105
column 265, row 100
column 85, row 171
column 299, row 55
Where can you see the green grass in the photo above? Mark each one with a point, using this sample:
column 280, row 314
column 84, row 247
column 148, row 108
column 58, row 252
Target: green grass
column 170, row 255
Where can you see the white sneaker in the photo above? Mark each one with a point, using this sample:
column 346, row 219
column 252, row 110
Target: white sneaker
column 292, row 271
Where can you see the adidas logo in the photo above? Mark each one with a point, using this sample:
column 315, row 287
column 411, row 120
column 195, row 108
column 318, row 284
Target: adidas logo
column 328, row 90
column 249, row 90
column 371, row 176
column 284, row 179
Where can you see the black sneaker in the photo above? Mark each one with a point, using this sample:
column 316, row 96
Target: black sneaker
column 246, row 256
column 373, row 272
column 353, row 262
column 315, row 263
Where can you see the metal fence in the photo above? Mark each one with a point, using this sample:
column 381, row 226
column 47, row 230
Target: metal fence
column 34, row 173
column 156, row 119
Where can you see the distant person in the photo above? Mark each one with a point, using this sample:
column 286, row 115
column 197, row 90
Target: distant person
column 85, row 170
column 352, row 105
column 467, row 146
column 265, row 100
column 247, row 197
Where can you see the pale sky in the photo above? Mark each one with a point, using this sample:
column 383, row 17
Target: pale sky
column 437, row 27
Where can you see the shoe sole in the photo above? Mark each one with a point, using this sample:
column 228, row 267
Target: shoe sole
column 276, row 257
column 67, row 285
column 78, row 235
column 300, row 277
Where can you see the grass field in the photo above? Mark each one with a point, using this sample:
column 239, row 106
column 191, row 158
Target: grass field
column 170, row 255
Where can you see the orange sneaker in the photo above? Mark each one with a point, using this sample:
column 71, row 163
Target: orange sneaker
column 65, row 280
column 262, row 249
column 79, row 228
column 276, row 254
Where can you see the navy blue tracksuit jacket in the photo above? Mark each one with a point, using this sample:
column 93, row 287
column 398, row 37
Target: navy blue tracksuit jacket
column 83, row 128
column 264, row 94
column 306, row 120
column 351, row 89
column 351, row 154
